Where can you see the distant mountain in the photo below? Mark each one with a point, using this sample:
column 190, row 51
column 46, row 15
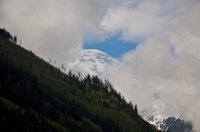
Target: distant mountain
column 95, row 62
column 169, row 124
column 176, row 125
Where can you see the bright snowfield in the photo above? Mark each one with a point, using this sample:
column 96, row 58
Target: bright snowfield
column 95, row 62
column 98, row 63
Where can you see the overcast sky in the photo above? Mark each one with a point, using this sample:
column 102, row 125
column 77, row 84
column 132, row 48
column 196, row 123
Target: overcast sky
column 165, row 61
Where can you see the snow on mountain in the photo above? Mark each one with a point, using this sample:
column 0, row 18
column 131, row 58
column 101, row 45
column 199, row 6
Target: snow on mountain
column 95, row 62
column 176, row 125
column 170, row 124
column 152, row 117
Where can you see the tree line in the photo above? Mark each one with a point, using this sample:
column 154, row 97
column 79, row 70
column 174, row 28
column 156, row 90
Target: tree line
column 8, row 36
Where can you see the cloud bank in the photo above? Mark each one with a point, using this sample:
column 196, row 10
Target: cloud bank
column 52, row 29
column 166, row 61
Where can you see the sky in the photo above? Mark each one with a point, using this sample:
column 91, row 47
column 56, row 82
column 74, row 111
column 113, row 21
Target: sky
column 113, row 46
column 158, row 39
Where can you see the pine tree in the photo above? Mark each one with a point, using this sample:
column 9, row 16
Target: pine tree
column 15, row 39
column 135, row 109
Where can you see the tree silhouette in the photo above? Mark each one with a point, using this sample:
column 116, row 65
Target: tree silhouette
column 15, row 39
column 135, row 109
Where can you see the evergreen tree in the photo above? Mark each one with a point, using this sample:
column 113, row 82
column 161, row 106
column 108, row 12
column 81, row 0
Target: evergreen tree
column 135, row 109
column 15, row 39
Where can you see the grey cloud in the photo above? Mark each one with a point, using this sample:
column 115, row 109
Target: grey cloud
column 50, row 28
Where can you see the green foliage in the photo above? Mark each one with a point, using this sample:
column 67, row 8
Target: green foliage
column 36, row 96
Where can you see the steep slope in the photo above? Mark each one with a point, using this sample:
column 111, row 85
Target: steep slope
column 35, row 96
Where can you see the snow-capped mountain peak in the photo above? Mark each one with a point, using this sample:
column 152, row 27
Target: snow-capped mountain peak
column 95, row 62
column 171, row 124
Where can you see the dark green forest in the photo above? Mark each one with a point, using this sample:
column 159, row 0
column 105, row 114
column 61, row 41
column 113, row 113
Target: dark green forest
column 36, row 96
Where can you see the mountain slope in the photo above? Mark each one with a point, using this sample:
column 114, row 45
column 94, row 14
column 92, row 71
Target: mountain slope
column 35, row 96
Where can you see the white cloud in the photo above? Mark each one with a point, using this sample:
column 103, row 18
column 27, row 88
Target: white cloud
column 166, row 61
column 52, row 29
column 138, row 20
column 151, row 54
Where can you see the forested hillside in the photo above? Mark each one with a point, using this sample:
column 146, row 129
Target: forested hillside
column 36, row 96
